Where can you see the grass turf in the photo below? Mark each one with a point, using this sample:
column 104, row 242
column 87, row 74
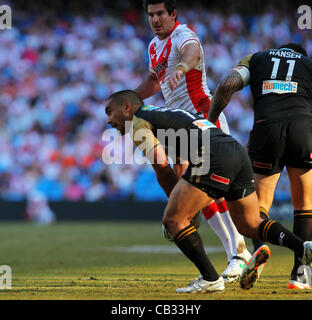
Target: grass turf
column 78, row 261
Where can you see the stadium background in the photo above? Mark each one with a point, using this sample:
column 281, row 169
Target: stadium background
column 59, row 63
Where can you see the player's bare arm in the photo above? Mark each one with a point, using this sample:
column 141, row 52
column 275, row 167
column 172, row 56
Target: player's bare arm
column 232, row 83
column 148, row 87
column 189, row 60
column 166, row 176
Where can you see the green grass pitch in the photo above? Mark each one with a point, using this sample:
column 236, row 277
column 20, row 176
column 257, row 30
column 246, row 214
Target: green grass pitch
column 120, row 261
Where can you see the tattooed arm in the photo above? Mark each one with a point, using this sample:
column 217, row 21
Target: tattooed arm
column 236, row 80
column 223, row 94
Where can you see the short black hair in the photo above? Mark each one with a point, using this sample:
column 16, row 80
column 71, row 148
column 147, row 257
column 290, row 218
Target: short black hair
column 296, row 47
column 170, row 5
column 126, row 95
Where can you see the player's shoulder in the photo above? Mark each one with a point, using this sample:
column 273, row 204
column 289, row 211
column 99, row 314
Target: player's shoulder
column 140, row 123
column 182, row 30
column 250, row 58
column 183, row 35
column 245, row 62
column 146, row 113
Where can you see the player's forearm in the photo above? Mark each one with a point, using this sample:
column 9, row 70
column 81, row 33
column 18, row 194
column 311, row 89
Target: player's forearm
column 219, row 101
column 223, row 95
column 148, row 87
column 189, row 60
column 166, row 178
column 190, row 57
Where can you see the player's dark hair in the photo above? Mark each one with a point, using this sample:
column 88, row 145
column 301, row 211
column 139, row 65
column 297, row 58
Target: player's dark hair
column 296, row 47
column 126, row 95
column 170, row 5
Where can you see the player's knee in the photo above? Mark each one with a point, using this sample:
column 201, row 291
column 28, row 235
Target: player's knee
column 248, row 229
column 169, row 222
column 173, row 223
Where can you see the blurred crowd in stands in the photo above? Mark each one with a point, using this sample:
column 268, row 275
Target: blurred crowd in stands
column 57, row 69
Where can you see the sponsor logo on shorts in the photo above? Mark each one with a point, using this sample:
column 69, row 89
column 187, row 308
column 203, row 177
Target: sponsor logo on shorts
column 262, row 165
column 278, row 86
column 220, row 179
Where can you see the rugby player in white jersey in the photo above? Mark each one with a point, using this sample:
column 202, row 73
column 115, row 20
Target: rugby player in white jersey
column 177, row 68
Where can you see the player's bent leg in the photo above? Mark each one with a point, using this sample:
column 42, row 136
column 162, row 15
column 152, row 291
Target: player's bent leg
column 184, row 201
column 196, row 222
column 265, row 188
column 301, row 186
column 245, row 214
column 179, row 168
column 249, row 223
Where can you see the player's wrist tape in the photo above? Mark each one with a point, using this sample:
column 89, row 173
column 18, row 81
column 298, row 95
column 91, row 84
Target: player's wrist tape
column 183, row 67
column 244, row 73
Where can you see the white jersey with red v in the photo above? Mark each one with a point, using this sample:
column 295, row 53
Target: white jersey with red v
column 192, row 94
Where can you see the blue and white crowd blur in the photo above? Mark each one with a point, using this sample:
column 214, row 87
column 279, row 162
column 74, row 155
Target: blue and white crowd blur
column 56, row 70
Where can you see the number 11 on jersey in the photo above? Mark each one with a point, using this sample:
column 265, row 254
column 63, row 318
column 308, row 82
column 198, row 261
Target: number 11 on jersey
column 276, row 64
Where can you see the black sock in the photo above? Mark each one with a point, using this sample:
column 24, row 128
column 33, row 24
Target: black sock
column 190, row 243
column 265, row 216
column 303, row 229
column 273, row 232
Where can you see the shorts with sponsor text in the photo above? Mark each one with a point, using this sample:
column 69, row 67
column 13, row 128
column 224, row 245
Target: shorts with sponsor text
column 230, row 172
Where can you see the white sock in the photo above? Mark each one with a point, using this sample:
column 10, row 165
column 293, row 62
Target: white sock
column 237, row 240
column 215, row 221
column 218, row 226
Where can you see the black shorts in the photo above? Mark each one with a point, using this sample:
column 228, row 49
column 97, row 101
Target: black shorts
column 230, row 172
column 279, row 142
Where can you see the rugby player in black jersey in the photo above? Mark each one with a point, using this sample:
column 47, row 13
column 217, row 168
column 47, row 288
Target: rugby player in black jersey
column 218, row 167
column 177, row 68
column 281, row 84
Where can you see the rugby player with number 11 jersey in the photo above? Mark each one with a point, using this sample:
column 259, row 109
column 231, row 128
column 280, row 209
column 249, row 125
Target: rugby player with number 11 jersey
column 281, row 84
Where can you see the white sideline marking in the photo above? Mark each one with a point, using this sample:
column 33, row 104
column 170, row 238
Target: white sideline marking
column 158, row 249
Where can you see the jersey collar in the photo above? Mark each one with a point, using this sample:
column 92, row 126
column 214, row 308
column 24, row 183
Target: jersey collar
column 175, row 26
column 288, row 49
